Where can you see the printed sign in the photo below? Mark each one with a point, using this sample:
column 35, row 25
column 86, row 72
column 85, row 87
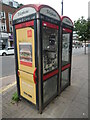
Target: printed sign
column 50, row 13
column 29, row 33
column 23, row 12
column 25, row 51
column 67, row 21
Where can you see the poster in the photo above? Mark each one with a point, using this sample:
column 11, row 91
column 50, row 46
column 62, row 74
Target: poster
column 25, row 52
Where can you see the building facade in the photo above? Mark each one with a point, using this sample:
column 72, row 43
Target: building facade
column 89, row 19
column 6, row 29
column 11, row 3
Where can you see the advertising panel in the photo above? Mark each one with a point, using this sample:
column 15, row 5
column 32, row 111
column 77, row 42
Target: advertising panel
column 25, row 52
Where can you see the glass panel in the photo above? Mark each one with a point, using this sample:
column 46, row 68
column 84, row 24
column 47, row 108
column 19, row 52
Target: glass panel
column 65, row 78
column 49, row 88
column 50, row 49
column 65, row 48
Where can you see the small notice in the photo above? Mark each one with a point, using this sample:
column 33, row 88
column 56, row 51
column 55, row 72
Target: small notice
column 29, row 33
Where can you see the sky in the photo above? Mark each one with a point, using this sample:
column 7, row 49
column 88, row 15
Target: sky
column 71, row 8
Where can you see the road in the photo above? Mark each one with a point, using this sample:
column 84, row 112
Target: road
column 7, row 65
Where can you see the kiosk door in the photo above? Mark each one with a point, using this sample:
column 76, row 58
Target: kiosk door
column 50, row 60
column 66, row 57
column 26, row 60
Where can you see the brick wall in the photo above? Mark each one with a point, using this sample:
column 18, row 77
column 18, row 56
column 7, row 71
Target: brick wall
column 8, row 9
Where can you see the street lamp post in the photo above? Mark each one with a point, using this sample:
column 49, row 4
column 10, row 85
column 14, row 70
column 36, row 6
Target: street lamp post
column 62, row 8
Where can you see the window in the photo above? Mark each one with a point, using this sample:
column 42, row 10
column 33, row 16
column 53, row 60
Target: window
column 3, row 27
column 2, row 14
column 10, row 16
column 65, row 48
column 11, row 28
column 0, row 25
column 10, row 48
column 10, row 22
column 11, row 4
column 50, row 49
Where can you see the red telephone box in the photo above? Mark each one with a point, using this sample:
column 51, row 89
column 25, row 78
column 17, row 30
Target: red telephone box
column 36, row 37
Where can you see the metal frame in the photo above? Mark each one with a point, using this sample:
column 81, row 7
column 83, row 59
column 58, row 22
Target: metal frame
column 38, row 56
column 70, row 56
column 36, row 62
column 16, row 62
column 45, row 104
column 39, row 64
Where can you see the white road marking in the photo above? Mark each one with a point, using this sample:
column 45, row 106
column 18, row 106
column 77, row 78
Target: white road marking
column 7, row 87
column 6, row 77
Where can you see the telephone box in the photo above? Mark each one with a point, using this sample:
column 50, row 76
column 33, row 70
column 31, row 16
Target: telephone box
column 66, row 51
column 36, row 39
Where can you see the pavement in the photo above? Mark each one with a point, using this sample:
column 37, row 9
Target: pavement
column 7, row 80
column 72, row 103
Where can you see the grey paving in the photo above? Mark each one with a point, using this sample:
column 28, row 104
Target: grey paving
column 72, row 103
column 7, row 80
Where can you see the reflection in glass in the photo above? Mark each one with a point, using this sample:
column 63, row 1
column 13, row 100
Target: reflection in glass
column 50, row 49
column 65, row 78
column 65, row 48
column 49, row 88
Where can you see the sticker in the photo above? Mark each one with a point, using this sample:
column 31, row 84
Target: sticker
column 29, row 33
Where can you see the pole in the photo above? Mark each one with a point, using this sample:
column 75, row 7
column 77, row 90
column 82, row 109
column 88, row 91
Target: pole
column 62, row 8
column 85, row 47
column 39, row 65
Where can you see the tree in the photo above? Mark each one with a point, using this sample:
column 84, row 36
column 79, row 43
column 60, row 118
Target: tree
column 81, row 28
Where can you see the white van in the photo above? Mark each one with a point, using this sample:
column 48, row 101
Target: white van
column 7, row 51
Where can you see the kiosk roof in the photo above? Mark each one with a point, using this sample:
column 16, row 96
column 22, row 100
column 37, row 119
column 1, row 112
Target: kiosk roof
column 66, row 20
column 34, row 8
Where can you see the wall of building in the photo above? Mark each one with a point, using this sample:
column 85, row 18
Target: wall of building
column 6, row 28
column 89, row 10
column 11, row 3
column 7, row 9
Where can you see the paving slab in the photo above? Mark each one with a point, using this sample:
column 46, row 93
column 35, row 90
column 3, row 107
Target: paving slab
column 72, row 103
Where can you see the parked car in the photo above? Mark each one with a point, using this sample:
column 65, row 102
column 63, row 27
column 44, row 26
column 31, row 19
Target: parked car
column 7, row 51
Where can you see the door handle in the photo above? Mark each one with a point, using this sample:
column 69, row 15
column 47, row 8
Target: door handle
column 34, row 76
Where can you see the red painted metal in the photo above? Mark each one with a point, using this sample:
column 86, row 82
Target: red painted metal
column 50, row 25
column 26, row 63
column 67, row 30
column 34, row 76
column 26, row 24
column 50, row 74
column 66, row 66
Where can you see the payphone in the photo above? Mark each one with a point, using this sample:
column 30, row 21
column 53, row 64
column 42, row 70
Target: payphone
column 36, row 39
column 66, row 51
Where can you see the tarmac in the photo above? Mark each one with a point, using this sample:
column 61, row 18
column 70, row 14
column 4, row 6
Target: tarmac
column 72, row 103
